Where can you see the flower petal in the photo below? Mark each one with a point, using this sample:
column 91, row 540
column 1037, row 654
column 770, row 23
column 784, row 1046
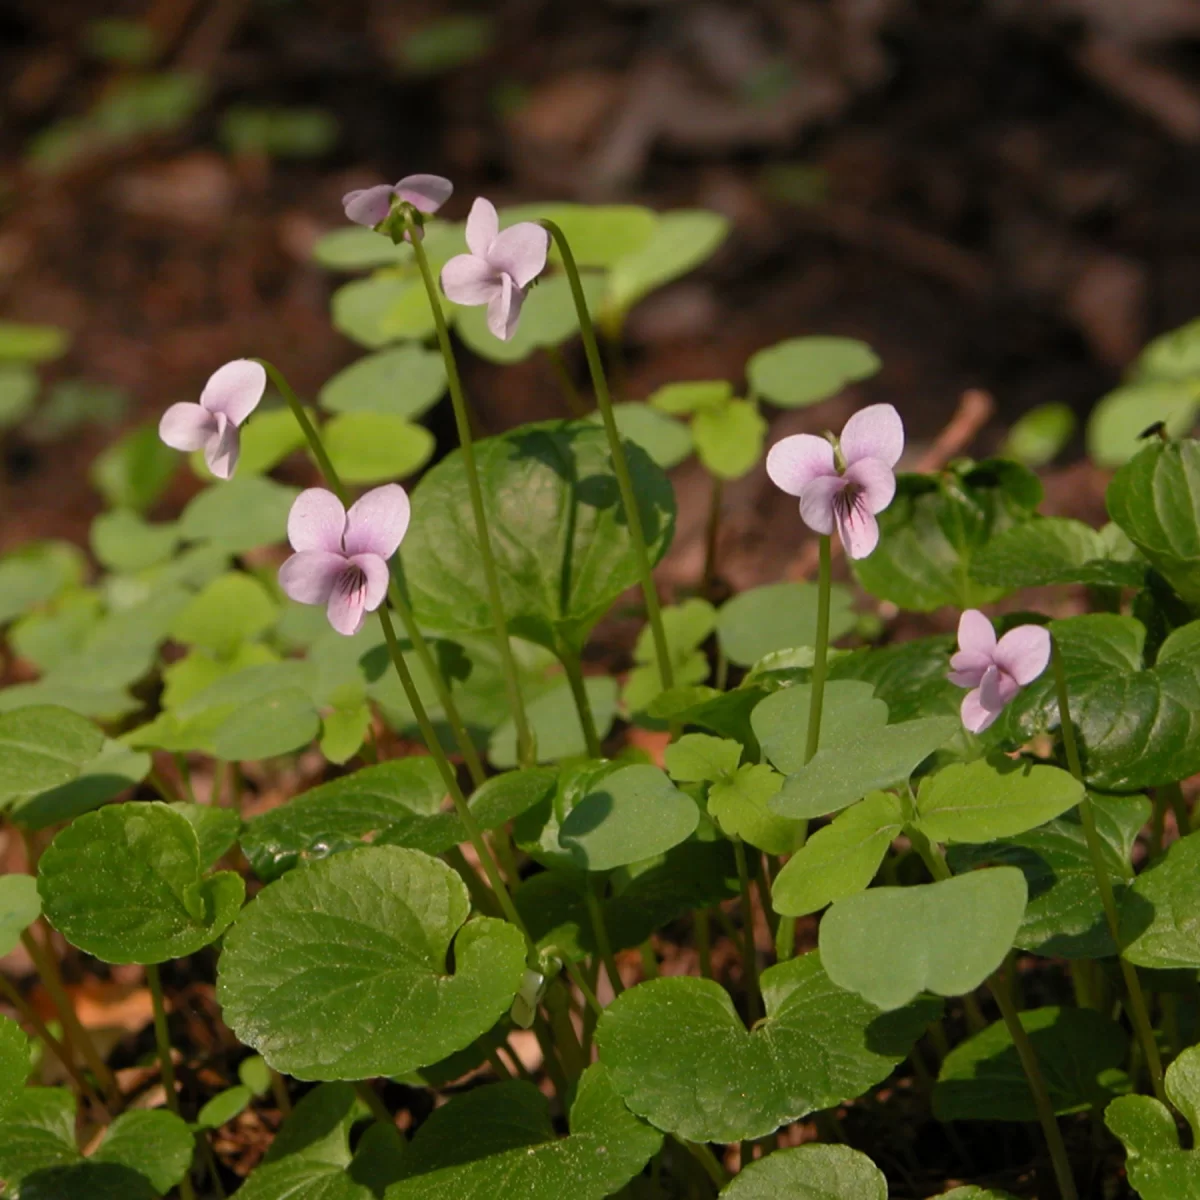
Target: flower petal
column 504, row 308
column 347, row 601
column 222, row 448
column 975, row 634
column 377, row 521
column 317, row 521
column 469, row 280
column 426, row 193
column 187, row 426
column 1024, row 652
column 794, row 462
column 974, row 716
column 996, row 689
column 876, row 483
column 368, row 206
column 482, row 226
column 235, row 389
column 857, row 528
column 817, row 502
column 967, row 668
column 873, row 432
column 375, row 569
column 308, row 577
column 520, row 251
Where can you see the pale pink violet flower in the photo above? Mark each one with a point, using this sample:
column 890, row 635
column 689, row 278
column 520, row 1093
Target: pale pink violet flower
column 341, row 557
column 843, row 493
column 499, row 268
column 231, row 394
column 369, row 206
column 995, row 671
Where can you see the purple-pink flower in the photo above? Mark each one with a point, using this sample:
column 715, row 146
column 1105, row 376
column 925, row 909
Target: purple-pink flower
column 995, row 671
column 369, row 206
column 499, row 269
column 341, row 557
column 231, row 394
column 846, row 490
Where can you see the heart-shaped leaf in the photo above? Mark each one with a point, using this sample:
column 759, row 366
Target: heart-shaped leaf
column 891, row 943
column 122, row 541
column 931, row 532
column 216, row 828
column 1079, row 1050
column 339, row 971
column 810, row 1173
column 499, row 1140
column 681, row 1058
column 373, row 447
column 780, row 721
column 807, row 370
column 686, row 627
column 1040, row 435
column 232, row 608
column 14, row 1061
column 20, row 906
column 1115, row 426
column 1138, row 727
column 37, row 572
column 556, row 723
column 1158, row 913
column 992, row 798
column 666, row 440
column 741, row 805
column 383, row 309
column 1053, row 550
column 729, row 438
column 239, row 514
column 125, row 884
column 909, row 677
column 43, row 747
column 1065, row 916
column 405, row 381
column 114, row 770
column 277, row 723
column 778, row 616
column 1155, row 499
column 558, row 531
column 840, row 859
column 680, row 242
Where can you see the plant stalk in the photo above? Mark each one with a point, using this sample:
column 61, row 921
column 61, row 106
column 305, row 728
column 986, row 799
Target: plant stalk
column 587, row 719
column 749, row 949
column 600, row 933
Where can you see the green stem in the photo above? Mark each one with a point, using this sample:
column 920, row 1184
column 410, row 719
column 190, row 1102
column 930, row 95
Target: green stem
column 620, row 463
column 565, row 383
column 280, row 1092
column 589, row 996
column 481, row 894
column 371, row 1098
column 703, row 942
column 162, row 1037
column 591, row 735
column 600, row 933
column 474, row 834
column 707, row 1159
column 749, row 949
column 1138, row 1013
column 785, row 939
column 821, row 649
column 395, row 593
column 712, row 529
column 1183, row 820
column 462, row 420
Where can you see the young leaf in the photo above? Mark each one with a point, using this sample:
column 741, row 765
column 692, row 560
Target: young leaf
column 114, row 770
column 700, row 758
column 1158, row 926
column 35, row 573
column 890, row 943
column 383, row 1003
column 224, row 1107
column 125, row 884
column 123, row 541
column 666, row 440
column 807, row 370
column 216, row 828
column 557, row 526
column 681, row 1057
column 355, row 248
column 781, row 720
column 729, row 439
column 376, row 447
column 1050, row 550
column 239, row 514
column 694, row 396
column 405, row 381
column 20, row 906
column 135, row 470
column 1037, row 437
column 383, row 309
column 556, row 723
column 813, row 1172
column 778, row 616
column 840, row 859
column 740, row 804
column 992, row 798
column 231, row 609
column 681, row 241
column 277, row 723
column 1119, row 419
column 1080, row 1051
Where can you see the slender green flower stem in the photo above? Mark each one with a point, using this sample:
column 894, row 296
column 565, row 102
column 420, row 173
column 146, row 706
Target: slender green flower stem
column 371, row 1098
column 936, row 863
column 1138, row 1013
column 462, row 419
column 712, row 528
column 589, row 996
column 574, row 672
column 450, row 779
column 30, row 1017
column 280, row 1092
column 703, row 942
column 706, row 1158
column 395, row 594
column 785, row 934
column 162, row 1039
column 633, row 514
column 749, row 950
column 74, row 1031
column 600, row 933
column 494, row 1060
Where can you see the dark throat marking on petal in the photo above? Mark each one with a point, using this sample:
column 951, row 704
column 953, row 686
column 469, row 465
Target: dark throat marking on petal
column 352, row 582
column 850, row 503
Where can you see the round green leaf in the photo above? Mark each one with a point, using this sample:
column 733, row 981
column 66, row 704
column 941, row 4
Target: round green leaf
column 267, row 439
column 371, row 447
column 806, row 370
column 122, row 541
column 125, row 884
column 224, row 1106
column 810, row 1173
column 114, row 770
column 681, row 1057
column 339, row 971
column 1040, row 435
column 383, row 309
column 693, row 396
column 42, row 747
column 778, row 616
column 740, row 804
column 20, row 906
column 729, row 438
column 255, row 1074
column 18, row 390
column 1158, row 913
column 155, row 1144
column 850, row 712
column 354, row 248
column 558, row 531
column 888, row 944
column 35, row 573
column 242, row 514
column 14, row 1055
column 598, row 234
column 405, row 381
column 556, row 724
column 1119, row 419
column 1079, row 1050
column 135, row 470
column 216, row 828
column 667, row 441
column 231, row 609
column 277, row 723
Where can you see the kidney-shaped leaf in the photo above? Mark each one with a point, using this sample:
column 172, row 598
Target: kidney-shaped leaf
column 891, row 943
column 339, row 971
column 125, row 884
column 812, row 1172
column 43, row 747
column 681, row 1057
column 778, row 616
column 1158, row 913
column 558, row 531
column 806, row 370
